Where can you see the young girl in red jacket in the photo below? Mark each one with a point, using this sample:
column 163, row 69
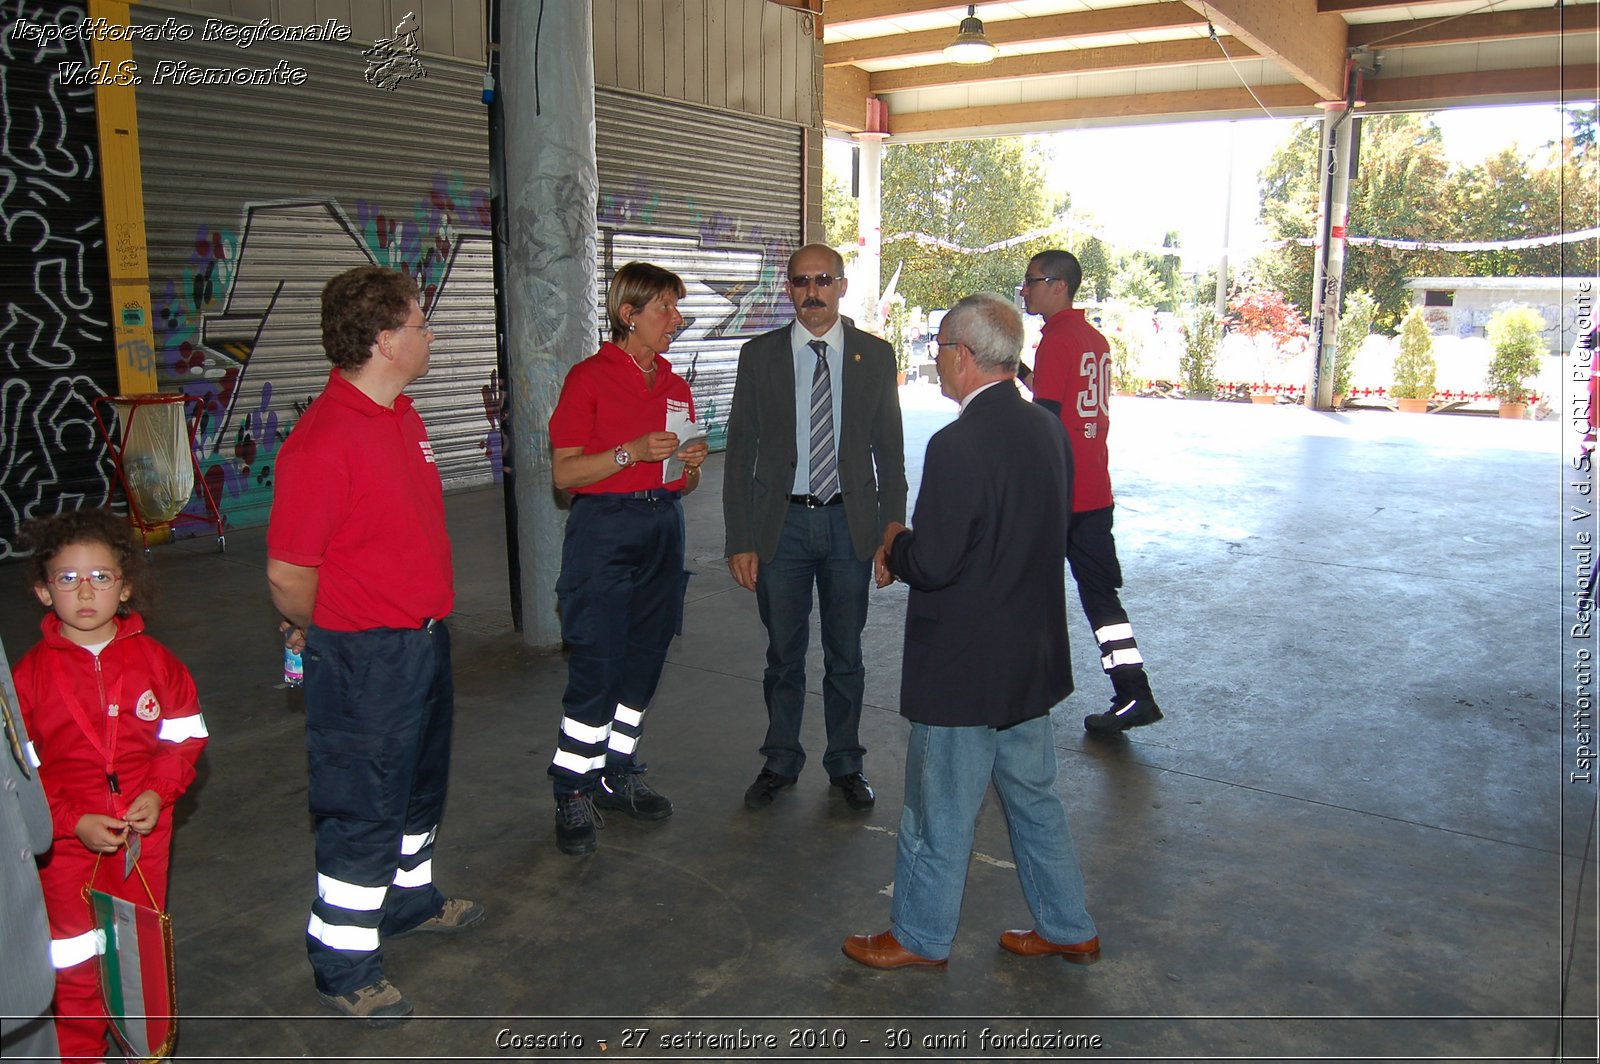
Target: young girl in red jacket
column 116, row 731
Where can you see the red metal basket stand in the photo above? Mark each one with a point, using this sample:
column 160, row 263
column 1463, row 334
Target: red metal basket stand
column 115, row 444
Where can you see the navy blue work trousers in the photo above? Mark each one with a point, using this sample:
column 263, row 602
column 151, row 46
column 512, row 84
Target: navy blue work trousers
column 621, row 594
column 379, row 706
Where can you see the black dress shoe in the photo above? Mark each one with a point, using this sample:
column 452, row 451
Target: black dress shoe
column 857, row 791
column 759, row 794
column 1124, row 713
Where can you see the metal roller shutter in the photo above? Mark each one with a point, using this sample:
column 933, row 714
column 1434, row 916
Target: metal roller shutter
column 256, row 194
column 56, row 342
column 715, row 197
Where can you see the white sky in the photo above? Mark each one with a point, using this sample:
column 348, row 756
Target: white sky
column 1142, row 181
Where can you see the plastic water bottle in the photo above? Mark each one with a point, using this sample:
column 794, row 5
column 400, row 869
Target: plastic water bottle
column 294, row 669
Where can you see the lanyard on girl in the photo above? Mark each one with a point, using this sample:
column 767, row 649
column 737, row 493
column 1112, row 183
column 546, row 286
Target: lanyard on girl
column 107, row 748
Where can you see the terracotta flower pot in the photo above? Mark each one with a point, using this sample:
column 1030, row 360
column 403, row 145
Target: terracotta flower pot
column 1264, row 398
column 1515, row 411
column 1413, row 406
column 1338, row 400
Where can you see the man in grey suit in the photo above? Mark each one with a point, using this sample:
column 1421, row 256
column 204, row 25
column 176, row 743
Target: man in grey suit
column 27, row 978
column 815, row 471
column 986, row 654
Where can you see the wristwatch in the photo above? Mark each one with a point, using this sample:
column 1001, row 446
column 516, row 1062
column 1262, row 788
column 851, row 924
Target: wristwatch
column 624, row 459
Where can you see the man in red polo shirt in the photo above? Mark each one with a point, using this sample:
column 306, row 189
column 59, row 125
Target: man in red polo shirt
column 358, row 562
column 1073, row 378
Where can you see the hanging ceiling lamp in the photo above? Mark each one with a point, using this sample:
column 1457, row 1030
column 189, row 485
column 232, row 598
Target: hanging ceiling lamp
column 970, row 47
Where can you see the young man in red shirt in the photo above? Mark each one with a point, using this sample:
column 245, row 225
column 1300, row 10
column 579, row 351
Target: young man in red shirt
column 1072, row 377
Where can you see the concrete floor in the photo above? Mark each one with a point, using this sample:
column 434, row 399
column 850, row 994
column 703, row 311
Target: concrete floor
column 1353, row 835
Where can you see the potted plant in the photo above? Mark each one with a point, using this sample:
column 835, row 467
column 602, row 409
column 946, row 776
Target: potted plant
column 1515, row 334
column 1414, row 367
column 1202, row 332
column 1354, row 326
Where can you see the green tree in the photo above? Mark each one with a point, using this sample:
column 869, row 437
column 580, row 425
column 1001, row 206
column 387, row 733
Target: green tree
column 1202, row 333
column 1137, row 282
column 1167, row 271
column 970, row 193
column 1398, row 193
column 1095, row 259
column 841, row 213
column 1414, row 366
column 1404, row 189
column 1516, row 335
column 1355, row 325
column 1509, row 196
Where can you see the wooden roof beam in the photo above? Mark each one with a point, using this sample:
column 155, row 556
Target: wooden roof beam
column 1553, row 84
column 1053, row 64
column 1334, row 7
column 843, row 12
column 1016, row 31
column 1291, row 33
column 844, row 98
column 1495, row 26
column 1054, row 113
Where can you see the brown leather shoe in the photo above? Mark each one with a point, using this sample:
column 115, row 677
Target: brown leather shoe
column 1029, row 944
column 883, row 951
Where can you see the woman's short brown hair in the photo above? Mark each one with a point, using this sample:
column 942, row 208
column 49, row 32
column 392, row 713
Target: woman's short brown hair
column 45, row 537
column 634, row 285
column 357, row 305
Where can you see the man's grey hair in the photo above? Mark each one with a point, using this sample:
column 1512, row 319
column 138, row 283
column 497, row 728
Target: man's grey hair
column 990, row 327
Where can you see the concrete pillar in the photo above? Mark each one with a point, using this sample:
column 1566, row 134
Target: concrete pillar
column 868, row 281
column 1227, row 227
column 1327, row 284
column 551, row 196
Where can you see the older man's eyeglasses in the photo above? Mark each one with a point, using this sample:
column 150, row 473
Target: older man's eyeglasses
column 806, row 280
column 99, row 579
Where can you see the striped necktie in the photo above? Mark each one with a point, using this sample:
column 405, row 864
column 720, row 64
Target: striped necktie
column 824, row 447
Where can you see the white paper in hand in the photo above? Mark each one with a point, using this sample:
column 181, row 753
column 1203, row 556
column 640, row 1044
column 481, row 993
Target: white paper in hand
column 688, row 434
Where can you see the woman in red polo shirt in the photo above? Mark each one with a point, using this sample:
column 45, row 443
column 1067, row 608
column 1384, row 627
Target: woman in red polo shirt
column 622, row 577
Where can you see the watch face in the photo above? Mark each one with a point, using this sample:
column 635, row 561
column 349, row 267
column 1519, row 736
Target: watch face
column 621, row 456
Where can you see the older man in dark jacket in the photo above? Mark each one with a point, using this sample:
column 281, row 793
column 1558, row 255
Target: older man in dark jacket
column 986, row 654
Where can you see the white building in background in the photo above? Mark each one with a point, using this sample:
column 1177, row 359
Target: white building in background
column 1462, row 306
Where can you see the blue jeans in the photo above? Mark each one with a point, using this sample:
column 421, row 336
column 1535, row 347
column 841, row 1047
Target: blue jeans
column 947, row 772
column 814, row 548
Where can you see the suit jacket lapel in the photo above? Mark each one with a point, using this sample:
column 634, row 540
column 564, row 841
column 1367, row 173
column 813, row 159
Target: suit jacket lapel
column 781, row 406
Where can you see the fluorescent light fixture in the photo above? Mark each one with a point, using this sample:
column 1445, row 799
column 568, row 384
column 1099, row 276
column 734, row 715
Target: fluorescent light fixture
column 970, row 47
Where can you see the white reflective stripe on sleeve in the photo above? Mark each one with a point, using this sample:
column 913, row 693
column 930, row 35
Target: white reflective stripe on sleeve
column 585, row 733
column 66, row 952
column 1113, row 631
column 626, row 715
column 411, row 844
column 177, row 729
column 343, row 936
column 33, row 755
column 623, row 744
column 419, row 876
column 578, row 764
column 349, row 895
column 1121, row 657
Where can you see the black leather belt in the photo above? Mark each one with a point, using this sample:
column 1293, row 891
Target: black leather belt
column 651, row 495
column 812, row 502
